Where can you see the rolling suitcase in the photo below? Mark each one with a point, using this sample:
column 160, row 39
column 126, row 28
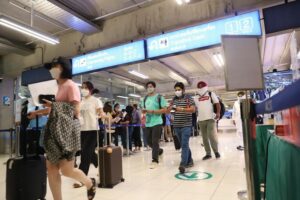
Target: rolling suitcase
column 110, row 164
column 26, row 177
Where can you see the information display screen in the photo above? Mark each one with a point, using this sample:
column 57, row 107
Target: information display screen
column 119, row 55
column 203, row 35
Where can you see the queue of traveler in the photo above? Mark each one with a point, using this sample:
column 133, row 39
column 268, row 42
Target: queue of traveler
column 86, row 124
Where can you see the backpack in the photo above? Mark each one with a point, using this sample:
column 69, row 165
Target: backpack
column 222, row 111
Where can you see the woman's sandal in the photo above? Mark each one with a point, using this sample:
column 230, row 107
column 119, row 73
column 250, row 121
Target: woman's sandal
column 77, row 185
column 92, row 191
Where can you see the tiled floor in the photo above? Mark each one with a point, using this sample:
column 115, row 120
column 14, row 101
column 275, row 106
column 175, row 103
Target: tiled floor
column 143, row 183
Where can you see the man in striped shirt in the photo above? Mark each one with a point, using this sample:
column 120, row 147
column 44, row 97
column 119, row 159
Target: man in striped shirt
column 183, row 106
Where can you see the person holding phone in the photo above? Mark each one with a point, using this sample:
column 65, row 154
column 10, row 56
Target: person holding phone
column 67, row 106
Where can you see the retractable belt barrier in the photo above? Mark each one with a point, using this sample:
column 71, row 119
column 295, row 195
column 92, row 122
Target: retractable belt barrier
column 279, row 153
column 288, row 98
column 127, row 132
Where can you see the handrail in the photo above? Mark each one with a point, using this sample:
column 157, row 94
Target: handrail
column 288, row 98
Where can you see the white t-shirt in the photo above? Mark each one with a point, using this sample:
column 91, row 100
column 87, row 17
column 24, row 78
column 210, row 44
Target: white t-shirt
column 205, row 107
column 88, row 113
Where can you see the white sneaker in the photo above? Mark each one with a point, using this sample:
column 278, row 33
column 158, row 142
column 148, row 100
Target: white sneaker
column 153, row 165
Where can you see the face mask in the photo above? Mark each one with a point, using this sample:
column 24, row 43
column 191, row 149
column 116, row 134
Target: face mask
column 178, row 93
column 85, row 92
column 150, row 90
column 202, row 91
column 55, row 73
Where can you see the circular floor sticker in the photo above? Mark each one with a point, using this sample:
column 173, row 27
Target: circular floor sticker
column 193, row 176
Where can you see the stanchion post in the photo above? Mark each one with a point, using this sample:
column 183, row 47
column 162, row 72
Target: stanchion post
column 11, row 142
column 127, row 140
column 248, row 151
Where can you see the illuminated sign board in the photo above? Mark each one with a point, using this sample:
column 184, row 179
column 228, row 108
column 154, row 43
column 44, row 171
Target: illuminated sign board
column 124, row 54
column 203, row 35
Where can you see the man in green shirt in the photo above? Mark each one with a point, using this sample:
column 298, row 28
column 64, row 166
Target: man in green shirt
column 154, row 105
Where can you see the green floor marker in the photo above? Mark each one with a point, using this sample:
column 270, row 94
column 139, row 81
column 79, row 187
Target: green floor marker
column 193, row 176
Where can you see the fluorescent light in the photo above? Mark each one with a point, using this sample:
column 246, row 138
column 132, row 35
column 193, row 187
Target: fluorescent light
column 122, row 97
column 138, row 74
column 219, row 59
column 12, row 24
column 298, row 55
column 135, row 95
column 177, row 77
column 133, row 84
column 179, row 2
column 187, row 1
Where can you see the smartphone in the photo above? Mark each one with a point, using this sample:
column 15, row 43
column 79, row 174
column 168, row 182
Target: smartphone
column 49, row 97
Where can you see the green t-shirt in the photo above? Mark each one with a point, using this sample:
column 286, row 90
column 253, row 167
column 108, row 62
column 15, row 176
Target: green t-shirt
column 152, row 103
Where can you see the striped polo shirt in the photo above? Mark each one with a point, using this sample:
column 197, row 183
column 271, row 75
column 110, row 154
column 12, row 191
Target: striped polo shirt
column 183, row 119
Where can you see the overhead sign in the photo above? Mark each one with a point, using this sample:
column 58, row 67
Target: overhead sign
column 203, row 35
column 119, row 55
column 193, row 176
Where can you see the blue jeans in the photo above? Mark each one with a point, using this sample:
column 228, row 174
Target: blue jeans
column 184, row 135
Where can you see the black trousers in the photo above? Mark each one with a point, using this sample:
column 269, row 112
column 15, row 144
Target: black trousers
column 153, row 137
column 88, row 155
column 136, row 136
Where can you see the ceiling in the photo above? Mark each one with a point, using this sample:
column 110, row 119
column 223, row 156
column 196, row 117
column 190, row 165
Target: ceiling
column 58, row 17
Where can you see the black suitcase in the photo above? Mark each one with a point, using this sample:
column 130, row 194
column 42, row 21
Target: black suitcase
column 110, row 164
column 26, row 177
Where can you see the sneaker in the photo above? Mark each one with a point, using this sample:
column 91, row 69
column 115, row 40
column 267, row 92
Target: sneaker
column 181, row 169
column 160, row 152
column 153, row 165
column 240, row 148
column 206, row 157
column 191, row 164
column 218, row 155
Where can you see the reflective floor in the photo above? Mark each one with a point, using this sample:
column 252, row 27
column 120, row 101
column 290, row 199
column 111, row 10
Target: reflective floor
column 142, row 183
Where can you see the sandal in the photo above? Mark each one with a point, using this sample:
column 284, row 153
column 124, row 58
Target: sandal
column 77, row 185
column 92, row 191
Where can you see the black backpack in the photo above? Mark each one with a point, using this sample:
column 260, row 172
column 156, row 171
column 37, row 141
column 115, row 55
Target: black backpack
column 223, row 109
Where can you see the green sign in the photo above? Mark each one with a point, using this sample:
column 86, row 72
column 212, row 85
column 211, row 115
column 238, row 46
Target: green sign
column 193, row 176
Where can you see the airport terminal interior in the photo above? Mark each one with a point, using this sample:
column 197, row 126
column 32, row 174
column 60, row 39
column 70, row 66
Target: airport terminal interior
column 149, row 99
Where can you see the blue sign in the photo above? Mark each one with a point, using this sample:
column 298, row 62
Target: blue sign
column 119, row 55
column 203, row 35
column 6, row 100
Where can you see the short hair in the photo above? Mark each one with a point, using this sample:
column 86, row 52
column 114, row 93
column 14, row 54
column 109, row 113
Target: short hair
column 241, row 93
column 151, row 83
column 65, row 65
column 135, row 106
column 180, row 85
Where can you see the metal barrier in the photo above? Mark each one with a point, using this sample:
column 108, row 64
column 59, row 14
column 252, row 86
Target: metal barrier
column 4, row 141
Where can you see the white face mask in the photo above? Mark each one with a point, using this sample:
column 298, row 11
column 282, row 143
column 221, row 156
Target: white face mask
column 178, row 93
column 202, row 91
column 150, row 90
column 85, row 92
column 55, row 73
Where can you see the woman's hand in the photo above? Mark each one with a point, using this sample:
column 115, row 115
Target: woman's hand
column 47, row 103
column 31, row 115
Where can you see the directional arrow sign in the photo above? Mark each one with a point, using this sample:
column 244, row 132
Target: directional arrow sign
column 193, row 176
